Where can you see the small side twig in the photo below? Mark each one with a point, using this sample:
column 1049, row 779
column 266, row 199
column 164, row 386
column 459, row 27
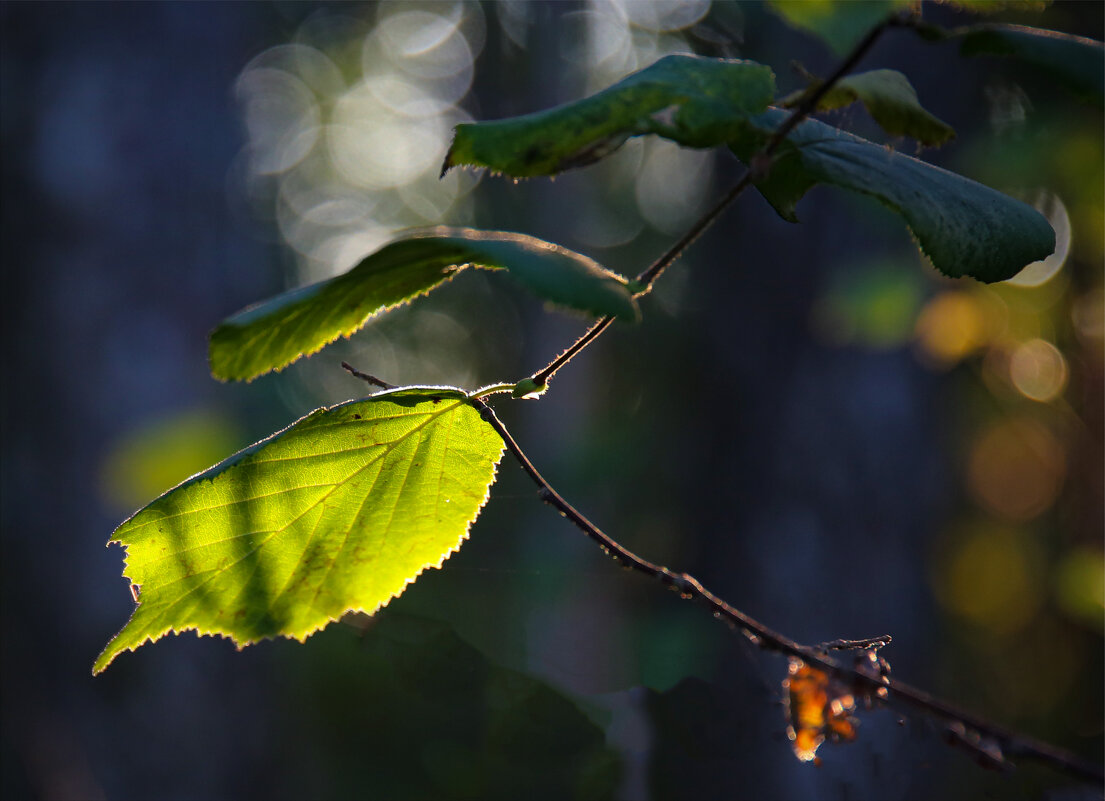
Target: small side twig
column 869, row 644
column 366, row 377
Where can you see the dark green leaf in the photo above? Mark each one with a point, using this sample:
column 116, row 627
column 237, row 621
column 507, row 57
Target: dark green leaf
column 964, row 228
column 697, row 102
column 276, row 332
column 1074, row 61
column 890, row 99
column 336, row 513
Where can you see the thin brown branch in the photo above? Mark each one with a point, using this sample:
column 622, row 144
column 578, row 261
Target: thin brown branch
column 990, row 742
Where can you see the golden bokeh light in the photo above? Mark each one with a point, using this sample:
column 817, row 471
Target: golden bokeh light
column 951, row 326
column 1016, row 469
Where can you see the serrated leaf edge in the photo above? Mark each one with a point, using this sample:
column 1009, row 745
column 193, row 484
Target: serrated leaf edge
column 239, row 645
column 339, row 335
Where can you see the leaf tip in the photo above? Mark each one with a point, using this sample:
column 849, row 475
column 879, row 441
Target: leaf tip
column 447, row 164
column 100, row 665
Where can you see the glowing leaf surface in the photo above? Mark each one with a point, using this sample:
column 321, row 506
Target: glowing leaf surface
column 337, row 513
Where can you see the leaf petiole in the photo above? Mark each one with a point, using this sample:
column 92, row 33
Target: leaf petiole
column 494, row 389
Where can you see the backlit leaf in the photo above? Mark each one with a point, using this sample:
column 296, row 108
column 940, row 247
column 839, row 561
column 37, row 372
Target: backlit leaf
column 963, row 227
column 890, row 99
column 337, row 513
column 694, row 101
column 274, row 333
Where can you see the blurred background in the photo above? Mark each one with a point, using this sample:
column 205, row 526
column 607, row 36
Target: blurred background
column 809, row 419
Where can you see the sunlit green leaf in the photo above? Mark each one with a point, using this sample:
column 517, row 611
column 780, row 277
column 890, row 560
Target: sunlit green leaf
column 274, row 333
column 890, row 99
column 337, row 513
column 697, row 102
column 964, row 228
column 840, row 23
column 1074, row 61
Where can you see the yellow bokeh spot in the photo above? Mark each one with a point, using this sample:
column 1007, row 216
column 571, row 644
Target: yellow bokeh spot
column 1016, row 469
column 992, row 578
column 951, row 326
column 147, row 461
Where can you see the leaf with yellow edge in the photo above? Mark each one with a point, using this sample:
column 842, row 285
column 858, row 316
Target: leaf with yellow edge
column 336, row 513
